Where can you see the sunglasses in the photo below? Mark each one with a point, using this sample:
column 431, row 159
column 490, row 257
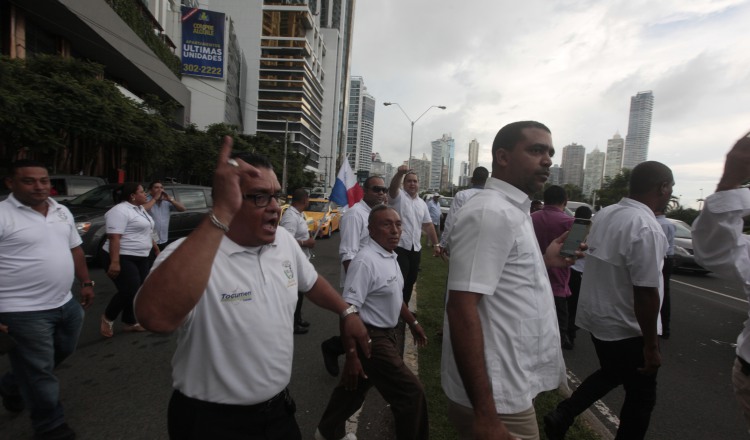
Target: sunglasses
column 378, row 189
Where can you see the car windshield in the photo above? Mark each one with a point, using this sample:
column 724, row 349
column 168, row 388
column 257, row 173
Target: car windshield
column 445, row 202
column 99, row 197
column 682, row 231
column 318, row 206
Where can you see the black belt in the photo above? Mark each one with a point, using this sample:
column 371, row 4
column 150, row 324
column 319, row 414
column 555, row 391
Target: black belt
column 745, row 366
column 283, row 396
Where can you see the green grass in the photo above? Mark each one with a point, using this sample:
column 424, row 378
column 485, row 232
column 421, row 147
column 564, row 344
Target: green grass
column 431, row 292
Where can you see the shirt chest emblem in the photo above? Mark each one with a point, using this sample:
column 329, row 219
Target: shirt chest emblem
column 287, row 267
column 237, row 296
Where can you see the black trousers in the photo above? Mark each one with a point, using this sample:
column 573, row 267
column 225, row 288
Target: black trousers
column 408, row 261
column 133, row 271
column 575, row 289
column 666, row 305
column 619, row 362
column 193, row 419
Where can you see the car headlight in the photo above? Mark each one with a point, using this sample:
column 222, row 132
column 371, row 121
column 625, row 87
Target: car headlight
column 681, row 251
column 83, row 227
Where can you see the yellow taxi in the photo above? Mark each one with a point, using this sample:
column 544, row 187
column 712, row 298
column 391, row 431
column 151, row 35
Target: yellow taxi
column 312, row 225
column 326, row 215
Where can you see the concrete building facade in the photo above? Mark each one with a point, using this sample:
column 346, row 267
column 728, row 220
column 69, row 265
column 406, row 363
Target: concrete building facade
column 361, row 123
column 573, row 156
column 613, row 163
column 639, row 129
column 594, row 172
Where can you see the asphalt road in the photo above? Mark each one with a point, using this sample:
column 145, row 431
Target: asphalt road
column 119, row 388
column 694, row 395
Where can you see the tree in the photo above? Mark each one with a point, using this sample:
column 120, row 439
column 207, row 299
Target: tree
column 614, row 188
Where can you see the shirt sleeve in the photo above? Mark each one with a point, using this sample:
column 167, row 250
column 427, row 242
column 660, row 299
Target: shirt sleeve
column 287, row 222
column 351, row 228
column 645, row 258
column 357, row 283
column 116, row 220
column 425, row 212
column 74, row 238
column 718, row 241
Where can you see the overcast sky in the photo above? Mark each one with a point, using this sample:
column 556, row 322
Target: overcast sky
column 571, row 64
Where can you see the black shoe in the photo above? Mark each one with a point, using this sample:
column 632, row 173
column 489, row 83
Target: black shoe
column 567, row 343
column 12, row 402
column 554, row 426
column 330, row 359
column 299, row 330
column 60, row 432
column 302, row 323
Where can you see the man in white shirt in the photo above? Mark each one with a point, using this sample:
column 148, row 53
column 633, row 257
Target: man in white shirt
column 501, row 343
column 721, row 246
column 415, row 218
column 374, row 285
column 230, row 289
column 159, row 206
column 666, row 273
column 294, row 221
column 353, row 235
column 619, row 304
column 433, row 207
column 478, row 179
column 41, row 251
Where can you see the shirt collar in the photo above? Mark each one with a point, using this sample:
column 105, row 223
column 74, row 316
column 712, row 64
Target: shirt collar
column 627, row 201
column 15, row 202
column 233, row 248
column 513, row 194
column 380, row 250
column 551, row 208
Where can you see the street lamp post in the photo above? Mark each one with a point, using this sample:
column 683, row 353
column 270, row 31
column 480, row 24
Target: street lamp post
column 411, row 138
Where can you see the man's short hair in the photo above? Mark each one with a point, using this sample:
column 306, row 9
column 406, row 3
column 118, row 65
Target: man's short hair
column 376, row 209
column 511, row 134
column 24, row 163
column 583, row 211
column 299, row 195
column 366, row 183
column 480, row 175
column 648, row 176
column 412, row 172
column 151, row 185
column 555, row 195
column 254, row 159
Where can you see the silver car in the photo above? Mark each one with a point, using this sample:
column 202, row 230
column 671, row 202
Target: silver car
column 684, row 259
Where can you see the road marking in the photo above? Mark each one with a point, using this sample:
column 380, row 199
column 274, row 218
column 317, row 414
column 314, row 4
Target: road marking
column 711, row 291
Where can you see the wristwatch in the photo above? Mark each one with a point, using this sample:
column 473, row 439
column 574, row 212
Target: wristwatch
column 349, row 310
column 88, row 284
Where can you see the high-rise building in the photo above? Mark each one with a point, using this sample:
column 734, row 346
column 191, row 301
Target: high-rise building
column 613, row 163
column 572, row 164
column 593, row 173
column 639, row 129
column 382, row 169
column 554, row 175
column 422, row 167
column 473, row 156
column 361, row 123
column 441, row 171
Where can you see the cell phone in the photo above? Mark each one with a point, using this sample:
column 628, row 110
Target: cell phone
column 577, row 235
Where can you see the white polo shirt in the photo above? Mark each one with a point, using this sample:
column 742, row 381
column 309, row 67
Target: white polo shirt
column 353, row 233
column 294, row 222
column 413, row 213
column 374, row 284
column 135, row 226
column 494, row 252
column 236, row 345
column 36, row 266
column 626, row 249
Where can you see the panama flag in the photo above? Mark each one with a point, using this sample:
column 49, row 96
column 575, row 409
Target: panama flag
column 346, row 191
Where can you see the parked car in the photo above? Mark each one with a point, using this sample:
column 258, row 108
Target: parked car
column 326, row 215
column 684, row 258
column 88, row 212
column 445, row 206
column 66, row 187
column 312, row 225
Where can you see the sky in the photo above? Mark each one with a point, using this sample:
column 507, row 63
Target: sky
column 570, row 64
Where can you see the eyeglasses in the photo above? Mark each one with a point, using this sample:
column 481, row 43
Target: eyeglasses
column 379, row 189
column 262, row 200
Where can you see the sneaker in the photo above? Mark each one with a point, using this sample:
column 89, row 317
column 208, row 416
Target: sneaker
column 554, row 426
column 348, row 436
column 60, row 432
column 13, row 402
column 330, row 359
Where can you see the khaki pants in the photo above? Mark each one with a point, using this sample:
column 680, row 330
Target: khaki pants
column 521, row 425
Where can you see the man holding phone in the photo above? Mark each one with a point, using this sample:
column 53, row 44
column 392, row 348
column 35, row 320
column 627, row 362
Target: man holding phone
column 159, row 206
column 621, row 294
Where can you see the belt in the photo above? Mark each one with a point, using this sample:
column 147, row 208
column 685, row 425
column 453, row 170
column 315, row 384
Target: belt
column 256, row 407
column 745, row 366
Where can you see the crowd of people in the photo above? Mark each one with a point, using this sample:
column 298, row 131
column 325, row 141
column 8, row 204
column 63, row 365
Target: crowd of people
column 513, row 300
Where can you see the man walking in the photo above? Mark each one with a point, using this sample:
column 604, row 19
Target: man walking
column 353, row 235
column 41, row 251
column 551, row 222
column 433, row 207
column 501, row 344
column 619, row 304
column 230, row 289
column 478, row 179
column 160, row 205
column 374, row 285
column 415, row 218
column 721, row 246
column 294, row 221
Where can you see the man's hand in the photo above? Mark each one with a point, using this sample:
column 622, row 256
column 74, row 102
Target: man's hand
column 352, row 371
column 309, row 243
column 114, row 270
column 3, row 328
column 652, row 361
column 353, row 332
column 87, row 297
column 437, row 250
column 552, row 257
column 403, row 169
column 227, row 177
column 417, row 332
column 737, row 165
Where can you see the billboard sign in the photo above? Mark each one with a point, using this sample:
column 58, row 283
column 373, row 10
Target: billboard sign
column 202, row 43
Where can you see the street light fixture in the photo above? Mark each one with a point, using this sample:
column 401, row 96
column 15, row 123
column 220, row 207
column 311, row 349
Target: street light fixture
column 411, row 138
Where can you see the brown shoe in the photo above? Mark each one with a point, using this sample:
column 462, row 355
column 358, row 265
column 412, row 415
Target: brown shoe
column 105, row 327
column 134, row 328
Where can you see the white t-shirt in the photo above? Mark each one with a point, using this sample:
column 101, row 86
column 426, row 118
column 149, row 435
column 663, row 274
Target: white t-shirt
column 294, row 222
column 36, row 266
column 413, row 212
column 494, row 252
column 135, row 226
column 720, row 245
column 236, row 345
column 626, row 249
column 374, row 284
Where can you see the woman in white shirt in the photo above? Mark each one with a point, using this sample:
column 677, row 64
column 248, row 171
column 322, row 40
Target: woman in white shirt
column 129, row 241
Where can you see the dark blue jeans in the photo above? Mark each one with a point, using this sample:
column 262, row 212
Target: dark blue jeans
column 43, row 339
column 619, row 362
